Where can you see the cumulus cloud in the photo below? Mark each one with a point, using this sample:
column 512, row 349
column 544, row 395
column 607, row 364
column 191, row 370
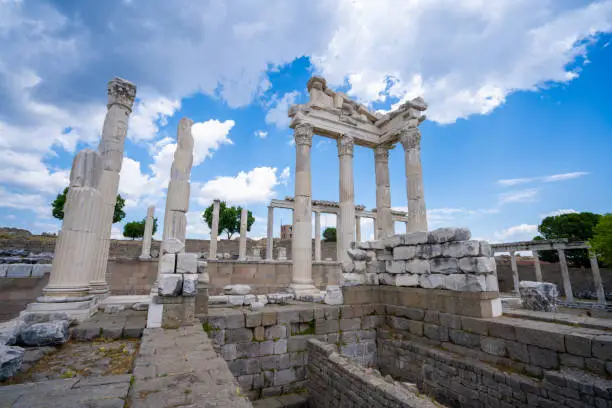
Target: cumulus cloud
column 277, row 115
column 261, row 134
column 544, row 179
column 522, row 232
column 149, row 115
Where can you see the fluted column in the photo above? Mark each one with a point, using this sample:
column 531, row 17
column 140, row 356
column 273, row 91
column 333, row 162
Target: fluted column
column 417, row 215
column 384, row 221
column 243, row 234
column 148, row 233
column 357, row 229
column 567, row 284
column 214, row 231
column 537, row 266
column 317, row 249
column 601, row 295
column 270, row 240
column 121, row 96
column 302, row 212
column 515, row 274
column 346, row 231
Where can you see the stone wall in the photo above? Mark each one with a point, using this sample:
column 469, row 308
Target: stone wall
column 333, row 381
column 16, row 293
column 131, row 276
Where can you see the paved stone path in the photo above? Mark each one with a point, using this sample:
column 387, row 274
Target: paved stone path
column 179, row 368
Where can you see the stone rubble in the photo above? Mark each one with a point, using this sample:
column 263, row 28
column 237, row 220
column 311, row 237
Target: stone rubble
column 237, row 289
column 50, row 333
column 11, row 358
column 539, row 296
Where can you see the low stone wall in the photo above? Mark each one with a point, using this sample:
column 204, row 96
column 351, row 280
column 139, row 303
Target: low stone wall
column 16, row 293
column 333, row 381
column 266, row 277
column 131, row 277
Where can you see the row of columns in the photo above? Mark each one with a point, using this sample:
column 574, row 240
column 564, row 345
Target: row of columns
column 567, row 284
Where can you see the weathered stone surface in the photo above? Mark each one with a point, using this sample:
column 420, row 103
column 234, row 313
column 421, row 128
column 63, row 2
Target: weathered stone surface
column 357, row 254
column 261, row 299
column 280, row 298
column 333, row 295
column 387, row 279
column 461, row 249
column 404, row 252
column 428, row 251
column 237, row 289
column 406, row 279
column 442, row 235
column 418, row 266
column 465, row 283
column 256, row 306
column 10, row 361
column 41, row 269
column 352, row 279
column 190, row 284
column 371, row 279
column 172, row 246
column 167, row 263
column 3, row 269
column 432, row 281
column 19, row 271
column 360, row 266
column 415, row 238
column 392, row 241
column 187, row 263
column 446, row 266
column 217, row 300
column 479, row 265
column 248, row 299
column 45, row 334
column 539, row 296
column 395, row 266
column 170, row 284
column 235, row 300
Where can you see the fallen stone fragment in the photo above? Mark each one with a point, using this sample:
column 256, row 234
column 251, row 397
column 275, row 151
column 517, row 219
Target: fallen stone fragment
column 11, row 358
column 170, row 284
column 333, row 295
column 190, row 284
column 237, row 289
column 539, row 296
column 51, row 333
column 442, row 235
column 280, row 298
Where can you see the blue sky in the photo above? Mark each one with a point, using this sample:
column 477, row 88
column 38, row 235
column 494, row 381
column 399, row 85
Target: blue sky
column 519, row 100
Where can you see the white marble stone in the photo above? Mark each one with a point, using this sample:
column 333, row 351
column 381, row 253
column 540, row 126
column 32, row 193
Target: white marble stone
column 248, row 299
column 415, row 238
column 218, row 299
column 238, row 289
column 41, row 269
column 442, row 235
column 404, row 252
column 360, row 266
column 282, row 254
column 172, row 246
column 235, row 300
column 444, row 265
column 186, row 263
column 190, row 284
column 148, row 233
column 418, row 266
column 262, row 299
column 254, row 306
column 395, row 267
column 170, row 284
column 371, row 278
column 461, row 249
column 465, row 283
column 280, row 298
column 333, row 295
column 167, row 263
column 352, row 279
column 478, row 265
column 432, row 281
column 406, row 279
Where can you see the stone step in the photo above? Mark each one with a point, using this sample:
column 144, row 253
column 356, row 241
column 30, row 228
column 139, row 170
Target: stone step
column 283, row 401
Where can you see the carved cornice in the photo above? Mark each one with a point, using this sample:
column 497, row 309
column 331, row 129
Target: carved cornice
column 121, row 92
column 410, row 138
column 303, row 134
column 345, row 145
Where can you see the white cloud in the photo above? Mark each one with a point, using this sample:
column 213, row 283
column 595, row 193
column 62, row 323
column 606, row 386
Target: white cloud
column 148, row 115
column 522, row 232
column 277, row 115
column 261, row 134
column 285, row 176
column 209, row 136
column 255, row 186
column 196, row 227
column 521, row 196
column 34, row 202
column 544, row 179
column 558, row 212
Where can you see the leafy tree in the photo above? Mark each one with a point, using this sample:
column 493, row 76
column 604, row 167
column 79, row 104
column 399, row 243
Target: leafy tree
column 329, row 234
column 573, row 227
column 57, row 207
column 601, row 243
column 135, row 229
column 229, row 219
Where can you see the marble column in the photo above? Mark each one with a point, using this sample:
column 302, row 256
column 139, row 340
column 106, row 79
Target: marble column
column 270, row 240
column 214, row 231
column 301, row 251
column 317, row 249
column 537, row 266
column 346, row 225
column 417, row 214
column 601, row 295
column 567, row 284
column 384, row 222
column 243, row 234
column 515, row 274
column 121, row 96
column 148, row 234
column 357, row 229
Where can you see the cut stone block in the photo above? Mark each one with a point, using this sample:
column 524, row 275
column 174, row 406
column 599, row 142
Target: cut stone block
column 428, row 251
column 315, row 296
column 492, row 283
column 442, row 235
column 10, row 361
column 3, row 269
column 333, row 295
column 19, row 271
column 357, row 254
column 186, row 263
column 360, row 266
column 256, row 306
column 172, row 246
column 51, row 333
column 190, row 284
column 167, row 263
column 371, row 279
column 39, row 270
column 406, row 279
column 386, row 279
column 465, row 283
column 262, row 299
column 218, row 300
column 235, row 300
column 280, row 298
column 348, row 266
column 446, row 266
column 461, row 249
column 432, row 281
column 352, row 279
column 237, row 289
column 539, row 296
column 404, row 252
column 395, row 266
column 248, row 299
column 478, row 265
column 415, row 238
column 392, row 241
column 178, row 196
column 418, row 266
column 170, row 284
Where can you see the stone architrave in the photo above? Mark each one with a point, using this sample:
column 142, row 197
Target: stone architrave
column 148, row 233
column 68, row 289
column 417, row 215
column 121, row 94
column 346, row 225
column 384, row 221
column 214, row 230
column 243, row 234
column 301, row 248
column 317, row 248
column 270, row 239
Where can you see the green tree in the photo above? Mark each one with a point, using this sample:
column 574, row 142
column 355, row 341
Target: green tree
column 57, row 207
column 135, row 229
column 573, row 227
column 601, row 243
column 329, row 235
column 229, row 219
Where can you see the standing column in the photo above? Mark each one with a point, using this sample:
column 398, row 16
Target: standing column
column 243, row 234
column 384, row 221
column 301, row 244
column 357, row 229
column 601, row 295
column 121, row 96
column 417, row 215
column 407, row 227
column 214, row 230
column 538, row 267
column 346, row 228
column 270, row 241
column 515, row 275
column 567, row 284
column 148, row 234
column 317, row 255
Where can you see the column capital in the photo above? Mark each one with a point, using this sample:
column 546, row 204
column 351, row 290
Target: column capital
column 381, row 153
column 121, row 92
column 410, row 138
column 345, row 145
column 303, row 134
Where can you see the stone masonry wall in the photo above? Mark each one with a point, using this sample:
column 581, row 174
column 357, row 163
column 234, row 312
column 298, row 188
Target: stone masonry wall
column 334, row 381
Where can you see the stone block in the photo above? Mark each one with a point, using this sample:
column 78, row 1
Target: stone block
column 492, row 283
column 406, row 279
column 170, row 284
column 190, row 284
column 414, row 238
column 238, row 335
column 237, row 289
column 517, row 351
column 461, row 249
column 370, row 279
column 432, row 281
column 167, row 263
column 435, row 332
column 248, row 350
column 275, row 332
column 268, row 318
column 280, row 298
column 429, row 251
column 10, row 361
column 234, row 321
column 352, row 279
column 539, row 296
column 252, row 319
column 449, row 320
column 579, row 345
column 395, row 266
column 501, row 330
column 387, row 279
column 442, row 235
column 266, row 348
column 178, row 196
column 549, row 339
column 280, row 346
column 398, row 323
column 235, row 300
column 572, row 361
column 465, row 283
column 445, row 266
column 248, row 299
column 284, row 377
column 172, row 246
column 357, row 254
column 485, row 249
column 50, row 333
column 477, row 265
column 404, row 252
column 288, row 316
column 463, row 338
column 359, row 266
column 392, row 241
column 218, row 300
column 3, row 269
column 187, row 263
column 350, row 324
column 473, row 325
column 602, row 347
column 258, row 333
column 19, row 271
column 493, row 346
column 41, row 269
column 418, row 266
column 415, row 327
column 544, row 358
column 256, row 306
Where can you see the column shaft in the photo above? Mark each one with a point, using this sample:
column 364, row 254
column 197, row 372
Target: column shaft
column 148, row 234
column 384, row 221
column 347, row 199
column 417, row 215
column 357, row 229
column 270, row 240
column 317, row 249
column 601, row 295
column 567, row 284
column 243, row 234
column 515, row 274
column 537, row 266
column 214, row 230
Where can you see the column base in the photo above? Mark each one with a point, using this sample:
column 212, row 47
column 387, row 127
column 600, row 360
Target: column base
column 77, row 308
column 99, row 289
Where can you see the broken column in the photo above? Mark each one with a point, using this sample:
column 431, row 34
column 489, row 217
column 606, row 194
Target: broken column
column 244, row 215
column 417, row 215
column 148, row 233
column 214, row 230
column 346, row 225
column 384, row 222
column 270, row 239
column 121, row 96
